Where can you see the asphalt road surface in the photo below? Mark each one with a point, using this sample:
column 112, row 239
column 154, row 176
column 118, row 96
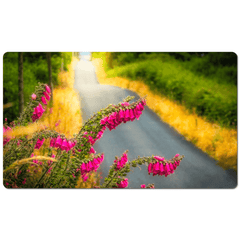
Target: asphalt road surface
column 146, row 137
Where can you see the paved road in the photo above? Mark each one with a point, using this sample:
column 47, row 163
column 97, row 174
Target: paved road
column 147, row 136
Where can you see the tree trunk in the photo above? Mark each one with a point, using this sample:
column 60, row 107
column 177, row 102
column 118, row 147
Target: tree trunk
column 20, row 82
column 50, row 73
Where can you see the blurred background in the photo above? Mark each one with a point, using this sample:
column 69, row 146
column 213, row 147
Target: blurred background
column 34, row 69
column 205, row 82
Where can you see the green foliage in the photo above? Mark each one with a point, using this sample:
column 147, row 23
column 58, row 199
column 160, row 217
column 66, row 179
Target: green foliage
column 215, row 100
column 35, row 69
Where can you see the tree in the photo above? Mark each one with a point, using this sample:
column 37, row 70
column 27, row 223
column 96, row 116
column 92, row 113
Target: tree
column 50, row 72
column 20, row 82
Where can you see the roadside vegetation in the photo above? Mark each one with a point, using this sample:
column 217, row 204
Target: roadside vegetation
column 63, row 117
column 35, row 69
column 198, row 104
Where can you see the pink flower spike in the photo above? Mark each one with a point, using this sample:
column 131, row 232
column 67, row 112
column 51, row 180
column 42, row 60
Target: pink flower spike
column 44, row 100
column 48, row 89
column 46, row 96
column 34, row 96
column 143, row 186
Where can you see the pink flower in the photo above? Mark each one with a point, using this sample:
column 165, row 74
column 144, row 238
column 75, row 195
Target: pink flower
column 159, row 158
column 85, row 178
column 48, row 89
column 125, row 104
column 64, row 145
column 127, row 116
column 143, row 186
column 44, row 100
column 122, row 162
column 46, row 96
column 49, row 170
column 177, row 155
column 150, row 168
column 104, row 120
column 83, row 168
column 132, row 117
column 90, row 166
column 41, row 108
column 161, row 169
column 52, row 142
column 123, row 183
column 37, row 113
column 39, row 143
column 34, row 96
column 6, row 139
column 24, row 181
column 156, row 168
column 57, row 123
column 92, row 150
column 58, row 142
column 140, row 106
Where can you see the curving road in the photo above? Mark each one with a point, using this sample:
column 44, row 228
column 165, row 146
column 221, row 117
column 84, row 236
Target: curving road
column 146, row 137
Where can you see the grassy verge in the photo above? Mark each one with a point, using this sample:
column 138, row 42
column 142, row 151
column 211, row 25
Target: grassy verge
column 215, row 101
column 219, row 142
